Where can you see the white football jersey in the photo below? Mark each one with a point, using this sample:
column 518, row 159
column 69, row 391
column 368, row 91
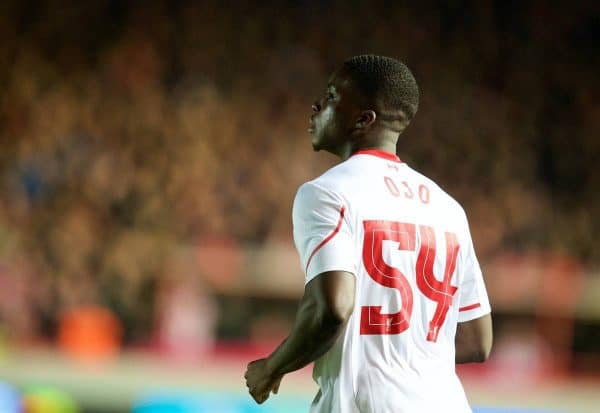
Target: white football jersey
column 409, row 246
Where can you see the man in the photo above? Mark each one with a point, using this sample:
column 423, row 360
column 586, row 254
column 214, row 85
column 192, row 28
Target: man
column 394, row 295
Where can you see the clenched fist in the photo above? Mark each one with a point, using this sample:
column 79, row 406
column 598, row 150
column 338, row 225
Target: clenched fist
column 261, row 381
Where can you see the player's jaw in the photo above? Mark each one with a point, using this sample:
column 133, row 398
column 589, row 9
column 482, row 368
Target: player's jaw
column 315, row 129
column 325, row 129
column 332, row 117
column 318, row 141
column 321, row 137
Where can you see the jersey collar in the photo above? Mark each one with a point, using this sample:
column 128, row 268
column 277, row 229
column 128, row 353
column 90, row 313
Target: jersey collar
column 378, row 153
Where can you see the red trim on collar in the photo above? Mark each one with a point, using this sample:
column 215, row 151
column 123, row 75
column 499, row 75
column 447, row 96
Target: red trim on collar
column 379, row 153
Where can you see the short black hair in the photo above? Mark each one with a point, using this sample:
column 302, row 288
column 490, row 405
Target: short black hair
column 386, row 82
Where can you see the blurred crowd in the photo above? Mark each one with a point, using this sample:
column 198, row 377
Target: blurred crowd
column 129, row 130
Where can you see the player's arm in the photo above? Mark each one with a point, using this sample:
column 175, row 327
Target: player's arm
column 325, row 307
column 473, row 340
column 325, row 243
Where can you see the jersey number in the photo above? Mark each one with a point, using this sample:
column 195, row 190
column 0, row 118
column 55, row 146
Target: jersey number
column 372, row 320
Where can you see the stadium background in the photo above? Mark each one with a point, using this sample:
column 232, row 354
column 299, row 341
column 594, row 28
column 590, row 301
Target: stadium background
column 150, row 152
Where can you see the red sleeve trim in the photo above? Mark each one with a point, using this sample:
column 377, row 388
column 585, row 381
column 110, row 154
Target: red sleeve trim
column 327, row 238
column 470, row 307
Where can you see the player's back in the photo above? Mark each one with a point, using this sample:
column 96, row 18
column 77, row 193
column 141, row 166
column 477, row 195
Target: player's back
column 411, row 252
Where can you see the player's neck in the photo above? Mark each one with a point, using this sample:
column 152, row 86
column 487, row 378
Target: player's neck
column 381, row 142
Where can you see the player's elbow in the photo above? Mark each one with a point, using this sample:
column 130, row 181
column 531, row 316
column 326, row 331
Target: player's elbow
column 486, row 350
column 336, row 313
column 482, row 353
column 486, row 340
column 481, row 348
column 474, row 340
column 337, row 298
column 342, row 311
column 473, row 352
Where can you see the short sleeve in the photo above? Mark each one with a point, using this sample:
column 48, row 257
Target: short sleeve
column 474, row 302
column 322, row 235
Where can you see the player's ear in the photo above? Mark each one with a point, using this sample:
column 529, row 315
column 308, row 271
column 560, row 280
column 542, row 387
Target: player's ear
column 366, row 118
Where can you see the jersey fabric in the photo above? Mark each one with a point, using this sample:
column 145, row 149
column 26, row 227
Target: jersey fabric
column 408, row 244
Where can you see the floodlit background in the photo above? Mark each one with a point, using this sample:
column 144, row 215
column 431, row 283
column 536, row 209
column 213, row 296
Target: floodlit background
column 150, row 152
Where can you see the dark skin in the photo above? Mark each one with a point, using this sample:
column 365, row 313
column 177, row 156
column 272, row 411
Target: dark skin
column 324, row 309
column 473, row 340
column 342, row 123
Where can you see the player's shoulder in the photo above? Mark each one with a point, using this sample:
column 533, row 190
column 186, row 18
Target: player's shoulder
column 329, row 187
column 314, row 191
column 339, row 175
column 333, row 181
column 443, row 196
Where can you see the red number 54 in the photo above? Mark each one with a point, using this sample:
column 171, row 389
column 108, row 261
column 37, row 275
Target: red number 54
column 372, row 321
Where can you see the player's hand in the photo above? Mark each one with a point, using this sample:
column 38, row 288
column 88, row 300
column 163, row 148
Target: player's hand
column 261, row 381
